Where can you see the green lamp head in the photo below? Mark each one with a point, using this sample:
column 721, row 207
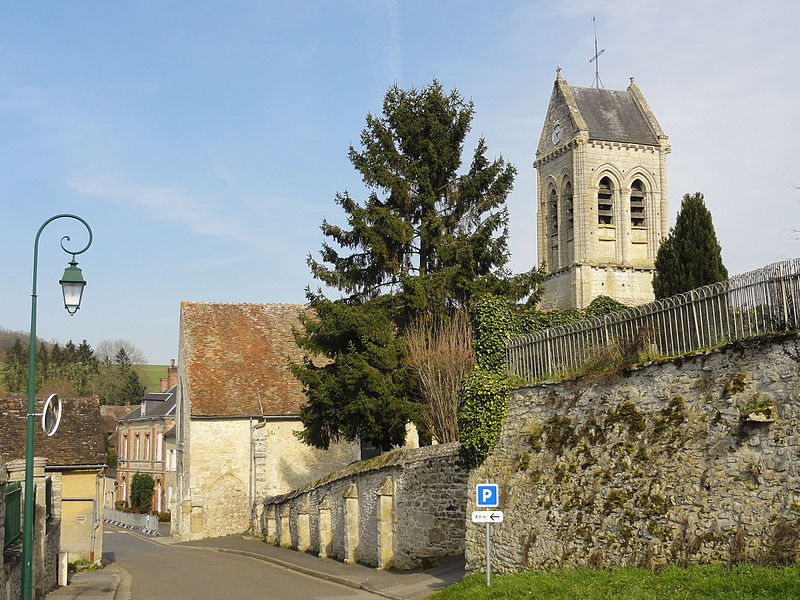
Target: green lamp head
column 72, row 284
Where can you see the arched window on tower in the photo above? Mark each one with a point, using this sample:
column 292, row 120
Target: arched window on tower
column 637, row 204
column 568, row 210
column 552, row 229
column 605, row 203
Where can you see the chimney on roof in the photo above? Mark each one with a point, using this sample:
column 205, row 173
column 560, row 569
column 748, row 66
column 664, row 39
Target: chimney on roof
column 172, row 375
column 163, row 384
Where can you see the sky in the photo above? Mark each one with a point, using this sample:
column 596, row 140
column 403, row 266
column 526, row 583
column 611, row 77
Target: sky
column 204, row 142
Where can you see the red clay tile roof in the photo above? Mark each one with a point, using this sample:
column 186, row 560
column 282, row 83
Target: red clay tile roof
column 78, row 441
column 235, row 358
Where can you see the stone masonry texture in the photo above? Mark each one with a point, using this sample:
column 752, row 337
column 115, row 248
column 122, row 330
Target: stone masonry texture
column 691, row 460
column 429, row 489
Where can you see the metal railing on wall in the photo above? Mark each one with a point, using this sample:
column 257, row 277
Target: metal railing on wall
column 13, row 518
column 145, row 523
column 756, row 303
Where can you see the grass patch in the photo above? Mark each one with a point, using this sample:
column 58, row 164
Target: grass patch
column 717, row 582
column 151, row 376
column 80, row 566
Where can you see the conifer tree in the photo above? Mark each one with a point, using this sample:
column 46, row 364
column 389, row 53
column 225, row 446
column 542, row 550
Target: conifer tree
column 15, row 375
column 426, row 239
column 691, row 256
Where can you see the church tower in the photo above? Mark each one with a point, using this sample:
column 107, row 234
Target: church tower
column 602, row 195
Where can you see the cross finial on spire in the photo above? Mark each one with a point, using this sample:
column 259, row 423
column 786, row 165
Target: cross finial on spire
column 595, row 58
column 633, row 80
column 558, row 72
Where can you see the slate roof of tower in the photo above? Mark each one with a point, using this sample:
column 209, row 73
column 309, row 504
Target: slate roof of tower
column 613, row 115
column 78, row 441
column 235, row 355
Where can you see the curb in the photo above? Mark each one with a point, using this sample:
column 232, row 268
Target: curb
column 122, row 590
column 311, row 572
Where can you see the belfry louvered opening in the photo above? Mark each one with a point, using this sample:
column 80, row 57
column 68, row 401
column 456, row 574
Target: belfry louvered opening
column 568, row 210
column 605, row 203
column 553, row 213
column 638, row 217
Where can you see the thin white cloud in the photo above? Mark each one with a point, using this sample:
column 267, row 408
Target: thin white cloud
column 167, row 203
column 394, row 42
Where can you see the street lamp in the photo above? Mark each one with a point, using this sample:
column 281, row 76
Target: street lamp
column 72, row 284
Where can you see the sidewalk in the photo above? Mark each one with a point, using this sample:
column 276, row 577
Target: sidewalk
column 113, row 583
column 110, row 583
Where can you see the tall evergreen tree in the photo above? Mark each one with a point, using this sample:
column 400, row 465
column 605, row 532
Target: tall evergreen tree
column 118, row 382
column 425, row 240
column 86, row 368
column 691, row 256
column 132, row 388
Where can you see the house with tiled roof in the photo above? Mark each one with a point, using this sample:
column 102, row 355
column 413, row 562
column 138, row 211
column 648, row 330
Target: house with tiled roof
column 237, row 411
column 74, row 459
column 108, row 417
column 143, row 445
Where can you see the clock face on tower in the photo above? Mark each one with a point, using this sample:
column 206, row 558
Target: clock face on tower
column 556, row 134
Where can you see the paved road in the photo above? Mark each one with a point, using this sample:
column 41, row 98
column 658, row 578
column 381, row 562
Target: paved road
column 184, row 573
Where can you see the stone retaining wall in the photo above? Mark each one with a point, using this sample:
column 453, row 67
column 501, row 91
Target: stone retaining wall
column 693, row 460
column 405, row 509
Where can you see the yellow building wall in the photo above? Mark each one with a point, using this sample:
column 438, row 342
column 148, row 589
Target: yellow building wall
column 82, row 515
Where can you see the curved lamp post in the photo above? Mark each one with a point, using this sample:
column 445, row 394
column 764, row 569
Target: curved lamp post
column 72, row 284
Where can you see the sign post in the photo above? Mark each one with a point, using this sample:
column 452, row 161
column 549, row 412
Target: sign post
column 488, row 556
column 487, row 495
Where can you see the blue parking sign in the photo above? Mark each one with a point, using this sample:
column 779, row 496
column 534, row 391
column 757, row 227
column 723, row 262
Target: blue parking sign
column 487, row 495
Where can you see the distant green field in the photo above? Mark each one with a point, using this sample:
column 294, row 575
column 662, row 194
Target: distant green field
column 151, row 375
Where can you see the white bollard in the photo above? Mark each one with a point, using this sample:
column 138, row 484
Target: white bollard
column 63, row 568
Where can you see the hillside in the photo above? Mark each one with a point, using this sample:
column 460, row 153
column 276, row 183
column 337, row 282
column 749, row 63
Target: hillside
column 151, row 376
column 8, row 337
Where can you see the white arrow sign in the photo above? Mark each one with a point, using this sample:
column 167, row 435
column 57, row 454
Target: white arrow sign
column 487, row 516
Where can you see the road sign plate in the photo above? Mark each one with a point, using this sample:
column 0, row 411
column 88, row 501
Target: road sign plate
column 487, row 516
column 487, row 495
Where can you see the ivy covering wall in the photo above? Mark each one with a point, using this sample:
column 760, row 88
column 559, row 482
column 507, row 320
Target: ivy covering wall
column 485, row 393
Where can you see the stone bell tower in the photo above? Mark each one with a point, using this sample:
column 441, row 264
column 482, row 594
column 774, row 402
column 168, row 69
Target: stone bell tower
column 602, row 195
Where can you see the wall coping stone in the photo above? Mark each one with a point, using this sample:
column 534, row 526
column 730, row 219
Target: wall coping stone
column 399, row 458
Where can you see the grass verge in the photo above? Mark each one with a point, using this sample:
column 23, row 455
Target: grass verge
column 706, row 582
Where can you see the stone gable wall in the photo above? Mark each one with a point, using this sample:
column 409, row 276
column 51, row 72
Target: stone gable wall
column 217, row 468
column 689, row 461
column 405, row 508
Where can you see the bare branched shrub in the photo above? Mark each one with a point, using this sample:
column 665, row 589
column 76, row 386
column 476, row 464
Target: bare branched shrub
column 619, row 354
column 440, row 354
